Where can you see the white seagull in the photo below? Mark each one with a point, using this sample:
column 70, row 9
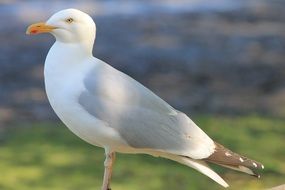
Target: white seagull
column 109, row 109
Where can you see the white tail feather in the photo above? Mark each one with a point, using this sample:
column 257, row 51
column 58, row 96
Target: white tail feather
column 201, row 166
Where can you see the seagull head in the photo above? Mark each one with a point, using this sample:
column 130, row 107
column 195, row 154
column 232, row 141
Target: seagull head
column 67, row 26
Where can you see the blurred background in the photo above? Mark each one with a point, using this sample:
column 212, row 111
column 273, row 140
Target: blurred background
column 220, row 61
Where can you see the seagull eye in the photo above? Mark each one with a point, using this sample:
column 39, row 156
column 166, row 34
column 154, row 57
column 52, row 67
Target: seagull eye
column 69, row 20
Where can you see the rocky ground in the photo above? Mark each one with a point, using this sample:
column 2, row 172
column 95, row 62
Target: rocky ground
column 227, row 61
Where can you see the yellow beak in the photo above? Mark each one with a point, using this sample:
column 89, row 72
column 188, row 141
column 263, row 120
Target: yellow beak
column 39, row 28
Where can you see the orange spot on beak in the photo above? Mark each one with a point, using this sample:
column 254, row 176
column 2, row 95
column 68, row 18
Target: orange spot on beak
column 34, row 31
column 38, row 28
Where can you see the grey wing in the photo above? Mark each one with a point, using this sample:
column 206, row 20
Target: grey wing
column 142, row 119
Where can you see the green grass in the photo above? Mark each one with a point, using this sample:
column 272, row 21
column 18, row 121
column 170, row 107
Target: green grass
column 44, row 156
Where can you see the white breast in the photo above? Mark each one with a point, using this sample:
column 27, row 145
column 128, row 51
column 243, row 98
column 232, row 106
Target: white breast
column 64, row 74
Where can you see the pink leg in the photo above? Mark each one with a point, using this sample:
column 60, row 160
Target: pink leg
column 110, row 158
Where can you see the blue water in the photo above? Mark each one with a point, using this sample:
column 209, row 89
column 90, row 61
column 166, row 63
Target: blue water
column 28, row 10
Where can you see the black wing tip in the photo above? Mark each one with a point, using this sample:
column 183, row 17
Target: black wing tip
column 256, row 168
column 255, row 174
column 255, row 165
column 242, row 159
column 227, row 158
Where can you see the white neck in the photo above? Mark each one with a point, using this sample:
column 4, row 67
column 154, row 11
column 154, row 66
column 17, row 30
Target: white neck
column 65, row 56
column 69, row 51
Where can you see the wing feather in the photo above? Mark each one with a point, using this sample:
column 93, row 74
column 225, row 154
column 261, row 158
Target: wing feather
column 143, row 119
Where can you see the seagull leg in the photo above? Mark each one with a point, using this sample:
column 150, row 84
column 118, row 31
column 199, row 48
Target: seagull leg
column 110, row 158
